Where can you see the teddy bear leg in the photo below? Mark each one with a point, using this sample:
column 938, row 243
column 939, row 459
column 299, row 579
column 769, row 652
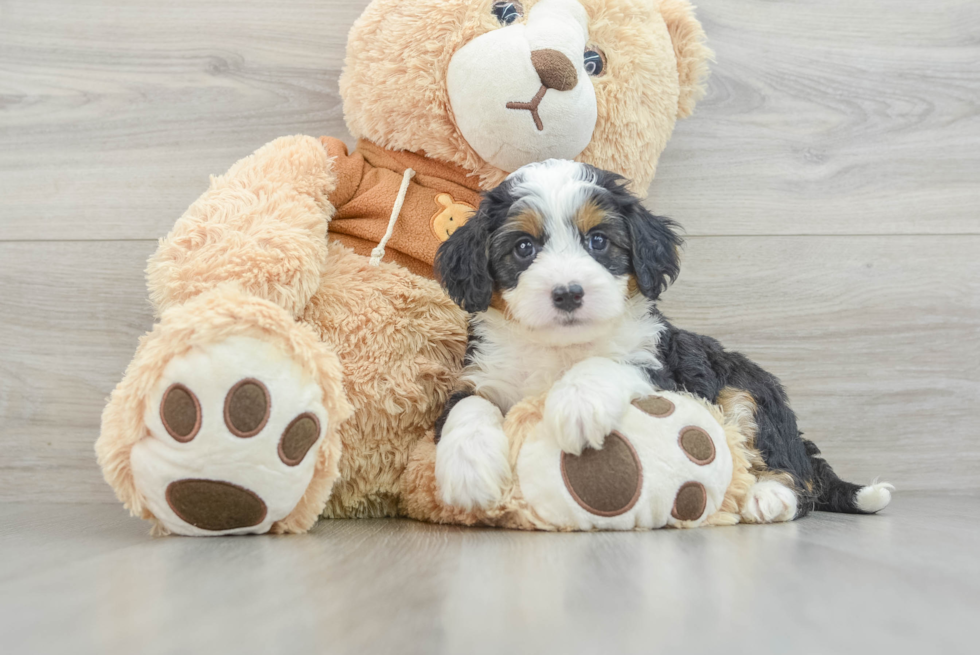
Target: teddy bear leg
column 401, row 341
column 226, row 421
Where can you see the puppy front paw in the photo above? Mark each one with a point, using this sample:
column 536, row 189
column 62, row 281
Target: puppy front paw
column 769, row 501
column 472, row 467
column 589, row 400
column 581, row 420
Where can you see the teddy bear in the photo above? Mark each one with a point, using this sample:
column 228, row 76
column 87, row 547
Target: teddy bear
column 303, row 350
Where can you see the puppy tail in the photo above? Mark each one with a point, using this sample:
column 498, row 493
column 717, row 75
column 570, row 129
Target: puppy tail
column 836, row 495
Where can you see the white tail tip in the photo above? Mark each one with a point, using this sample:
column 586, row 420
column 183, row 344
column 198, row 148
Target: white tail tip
column 875, row 497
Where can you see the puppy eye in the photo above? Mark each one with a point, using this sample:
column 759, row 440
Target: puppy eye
column 525, row 250
column 595, row 61
column 598, row 242
column 507, row 12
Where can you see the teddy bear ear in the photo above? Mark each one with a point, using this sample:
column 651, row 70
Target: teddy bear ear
column 692, row 54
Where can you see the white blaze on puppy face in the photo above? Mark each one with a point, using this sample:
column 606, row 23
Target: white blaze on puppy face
column 557, row 191
column 521, row 93
column 561, row 264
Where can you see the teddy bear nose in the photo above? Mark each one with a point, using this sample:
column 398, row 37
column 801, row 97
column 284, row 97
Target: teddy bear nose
column 554, row 69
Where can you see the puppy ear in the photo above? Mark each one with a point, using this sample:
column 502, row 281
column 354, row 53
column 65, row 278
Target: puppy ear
column 655, row 244
column 655, row 250
column 463, row 265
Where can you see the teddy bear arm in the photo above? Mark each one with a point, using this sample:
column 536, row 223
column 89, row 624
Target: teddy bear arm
column 261, row 226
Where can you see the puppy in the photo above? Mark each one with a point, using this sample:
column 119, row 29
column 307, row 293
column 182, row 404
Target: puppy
column 561, row 268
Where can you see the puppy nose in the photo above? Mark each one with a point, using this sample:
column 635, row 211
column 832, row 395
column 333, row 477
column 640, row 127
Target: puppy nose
column 554, row 69
column 569, row 298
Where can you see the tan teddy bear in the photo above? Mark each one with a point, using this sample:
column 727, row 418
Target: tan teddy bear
column 292, row 372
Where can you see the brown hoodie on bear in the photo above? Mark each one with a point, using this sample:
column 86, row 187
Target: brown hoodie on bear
column 440, row 198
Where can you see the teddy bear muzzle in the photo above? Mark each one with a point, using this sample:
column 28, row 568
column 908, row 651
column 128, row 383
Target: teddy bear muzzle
column 521, row 94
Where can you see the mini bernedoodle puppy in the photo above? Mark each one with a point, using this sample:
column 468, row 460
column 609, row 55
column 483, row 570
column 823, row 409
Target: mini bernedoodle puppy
column 561, row 268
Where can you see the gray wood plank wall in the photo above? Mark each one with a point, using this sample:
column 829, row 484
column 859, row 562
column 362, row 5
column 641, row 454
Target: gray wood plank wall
column 829, row 184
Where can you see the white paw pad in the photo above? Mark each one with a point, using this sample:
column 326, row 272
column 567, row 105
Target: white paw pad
column 234, row 428
column 769, row 501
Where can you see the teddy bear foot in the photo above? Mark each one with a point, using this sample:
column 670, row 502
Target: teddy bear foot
column 231, row 430
column 226, row 421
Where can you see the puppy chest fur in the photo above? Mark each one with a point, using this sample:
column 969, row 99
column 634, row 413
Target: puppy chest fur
column 507, row 363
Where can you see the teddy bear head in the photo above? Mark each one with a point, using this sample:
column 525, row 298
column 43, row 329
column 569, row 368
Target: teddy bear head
column 491, row 86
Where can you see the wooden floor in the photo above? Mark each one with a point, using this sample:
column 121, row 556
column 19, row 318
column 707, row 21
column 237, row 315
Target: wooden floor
column 88, row 579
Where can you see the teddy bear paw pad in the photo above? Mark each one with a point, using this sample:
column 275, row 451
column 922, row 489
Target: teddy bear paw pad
column 657, row 406
column 231, row 430
column 604, row 482
column 215, row 505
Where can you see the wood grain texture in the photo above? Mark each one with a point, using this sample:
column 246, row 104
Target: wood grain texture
column 70, row 317
column 877, row 340
column 832, row 117
column 114, row 112
column 905, row 581
column 836, row 117
column 875, row 337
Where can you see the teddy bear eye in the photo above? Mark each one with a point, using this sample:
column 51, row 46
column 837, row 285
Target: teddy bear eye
column 507, row 12
column 595, row 62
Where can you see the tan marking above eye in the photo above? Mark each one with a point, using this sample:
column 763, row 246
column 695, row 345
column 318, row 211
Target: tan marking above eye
column 690, row 502
column 697, row 445
column 247, row 408
column 588, row 216
column 180, row 411
column 298, row 438
column 656, row 406
column 529, row 222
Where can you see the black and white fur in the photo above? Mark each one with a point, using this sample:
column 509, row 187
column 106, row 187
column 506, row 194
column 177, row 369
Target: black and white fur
column 561, row 267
